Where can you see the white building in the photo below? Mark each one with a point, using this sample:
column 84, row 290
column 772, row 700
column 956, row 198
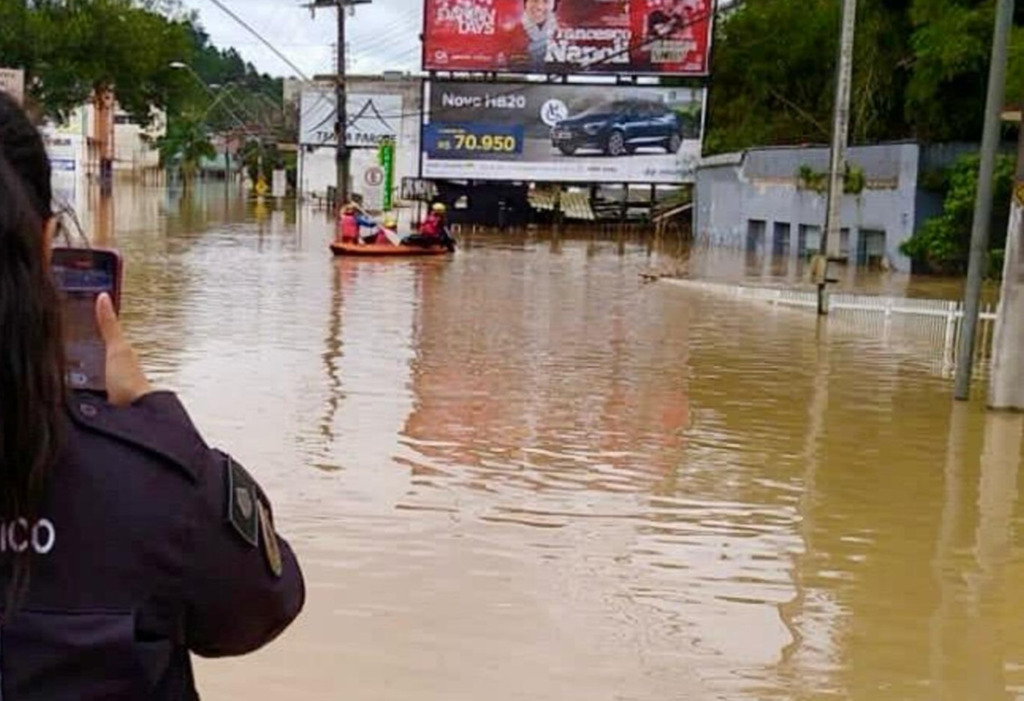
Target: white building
column 135, row 149
column 135, row 153
column 377, row 107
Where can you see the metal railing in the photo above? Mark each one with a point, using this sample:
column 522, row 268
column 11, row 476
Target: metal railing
column 937, row 321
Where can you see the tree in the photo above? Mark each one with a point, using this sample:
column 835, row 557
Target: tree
column 774, row 72
column 942, row 244
column 920, row 71
column 186, row 143
column 76, row 51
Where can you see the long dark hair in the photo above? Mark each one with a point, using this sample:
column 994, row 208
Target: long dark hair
column 31, row 343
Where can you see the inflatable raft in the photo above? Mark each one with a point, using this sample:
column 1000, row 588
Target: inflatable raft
column 377, row 250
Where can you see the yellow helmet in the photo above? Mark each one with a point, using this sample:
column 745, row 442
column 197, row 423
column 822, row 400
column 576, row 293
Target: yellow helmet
column 439, row 208
column 390, row 223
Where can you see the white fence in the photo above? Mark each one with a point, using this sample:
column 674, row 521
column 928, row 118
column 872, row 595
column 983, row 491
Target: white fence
column 938, row 321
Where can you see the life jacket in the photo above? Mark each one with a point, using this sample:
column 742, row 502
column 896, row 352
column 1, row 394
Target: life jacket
column 349, row 228
column 431, row 227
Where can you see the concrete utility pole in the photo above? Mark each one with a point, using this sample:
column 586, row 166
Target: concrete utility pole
column 983, row 201
column 341, row 121
column 837, row 157
column 1006, row 384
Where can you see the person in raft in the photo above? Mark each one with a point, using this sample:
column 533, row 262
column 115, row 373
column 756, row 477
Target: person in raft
column 433, row 231
column 352, row 220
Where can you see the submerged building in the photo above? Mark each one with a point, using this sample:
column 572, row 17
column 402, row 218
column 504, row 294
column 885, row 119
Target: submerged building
column 772, row 200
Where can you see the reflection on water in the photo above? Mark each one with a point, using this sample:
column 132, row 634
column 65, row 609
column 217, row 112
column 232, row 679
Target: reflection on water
column 521, row 473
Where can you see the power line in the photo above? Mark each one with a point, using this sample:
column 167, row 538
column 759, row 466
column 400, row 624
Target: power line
column 259, row 36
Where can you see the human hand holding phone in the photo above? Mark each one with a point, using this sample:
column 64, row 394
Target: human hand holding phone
column 98, row 356
column 126, row 382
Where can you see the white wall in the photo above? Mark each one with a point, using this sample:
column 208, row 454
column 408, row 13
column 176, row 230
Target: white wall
column 763, row 187
column 317, row 170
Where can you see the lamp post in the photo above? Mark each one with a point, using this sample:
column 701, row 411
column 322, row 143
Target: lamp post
column 179, row 66
column 225, row 90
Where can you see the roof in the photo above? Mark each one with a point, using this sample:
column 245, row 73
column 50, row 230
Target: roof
column 722, row 159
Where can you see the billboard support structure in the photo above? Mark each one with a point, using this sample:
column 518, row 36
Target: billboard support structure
column 681, row 46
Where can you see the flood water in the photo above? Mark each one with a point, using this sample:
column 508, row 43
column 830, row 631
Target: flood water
column 522, row 473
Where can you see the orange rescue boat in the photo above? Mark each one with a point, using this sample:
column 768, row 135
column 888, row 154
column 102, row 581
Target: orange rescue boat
column 380, row 250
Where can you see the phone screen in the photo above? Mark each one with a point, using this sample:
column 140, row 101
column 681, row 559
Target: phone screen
column 81, row 276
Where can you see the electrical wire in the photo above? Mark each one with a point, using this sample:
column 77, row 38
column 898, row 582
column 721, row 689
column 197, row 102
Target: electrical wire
column 230, row 13
column 520, row 87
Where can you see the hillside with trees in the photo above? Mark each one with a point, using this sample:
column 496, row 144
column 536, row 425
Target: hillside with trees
column 920, row 71
column 73, row 51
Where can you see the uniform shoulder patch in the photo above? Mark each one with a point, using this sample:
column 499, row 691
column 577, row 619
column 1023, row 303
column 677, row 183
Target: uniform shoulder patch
column 242, row 508
column 271, row 549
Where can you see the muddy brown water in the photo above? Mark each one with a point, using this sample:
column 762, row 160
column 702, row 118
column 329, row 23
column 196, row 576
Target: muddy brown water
column 521, row 473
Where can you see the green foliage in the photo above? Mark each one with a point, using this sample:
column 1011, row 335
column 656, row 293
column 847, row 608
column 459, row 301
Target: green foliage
column 809, row 179
column 774, row 72
column 255, row 99
column 854, row 181
column 254, row 154
column 920, row 71
column 186, row 144
column 73, row 50
column 942, row 244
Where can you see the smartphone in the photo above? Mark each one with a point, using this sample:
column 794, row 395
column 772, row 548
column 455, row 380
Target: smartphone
column 81, row 275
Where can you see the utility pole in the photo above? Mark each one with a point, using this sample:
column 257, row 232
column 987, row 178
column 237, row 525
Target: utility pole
column 837, row 154
column 983, row 201
column 341, row 120
column 1006, row 382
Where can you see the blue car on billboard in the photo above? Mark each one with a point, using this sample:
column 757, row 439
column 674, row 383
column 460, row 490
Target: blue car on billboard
column 620, row 127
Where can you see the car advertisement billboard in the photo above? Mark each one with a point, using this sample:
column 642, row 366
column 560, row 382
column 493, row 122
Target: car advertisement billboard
column 656, row 37
column 562, row 132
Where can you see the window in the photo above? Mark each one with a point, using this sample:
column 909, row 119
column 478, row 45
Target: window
column 809, row 240
column 871, row 248
column 844, row 243
column 780, row 238
column 755, row 235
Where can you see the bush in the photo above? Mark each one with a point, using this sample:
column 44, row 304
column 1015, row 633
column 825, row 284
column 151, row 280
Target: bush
column 942, row 244
column 854, row 181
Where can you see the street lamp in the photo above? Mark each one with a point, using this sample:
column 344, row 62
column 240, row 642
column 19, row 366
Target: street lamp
column 246, row 129
column 179, row 65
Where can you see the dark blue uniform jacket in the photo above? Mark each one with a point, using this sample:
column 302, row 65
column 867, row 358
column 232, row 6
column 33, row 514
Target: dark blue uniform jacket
column 145, row 550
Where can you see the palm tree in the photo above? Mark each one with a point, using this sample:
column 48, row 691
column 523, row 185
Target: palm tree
column 188, row 142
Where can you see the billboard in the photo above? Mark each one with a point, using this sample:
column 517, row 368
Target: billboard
column 541, row 132
column 657, row 37
column 371, row 118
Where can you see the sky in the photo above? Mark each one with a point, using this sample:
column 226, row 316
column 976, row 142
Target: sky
column 383, row 35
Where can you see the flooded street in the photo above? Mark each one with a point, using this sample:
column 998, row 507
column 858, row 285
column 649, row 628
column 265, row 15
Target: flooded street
column 521, row 473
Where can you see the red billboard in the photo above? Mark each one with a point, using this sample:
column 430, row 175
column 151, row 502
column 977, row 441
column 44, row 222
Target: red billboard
column 656, row 37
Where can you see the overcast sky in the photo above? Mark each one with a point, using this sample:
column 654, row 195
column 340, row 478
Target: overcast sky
column 381, row 36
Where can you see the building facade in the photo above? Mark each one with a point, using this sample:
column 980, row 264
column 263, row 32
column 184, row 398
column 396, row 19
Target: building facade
column 772, row 201
column 378, row 106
